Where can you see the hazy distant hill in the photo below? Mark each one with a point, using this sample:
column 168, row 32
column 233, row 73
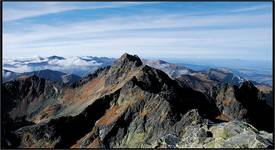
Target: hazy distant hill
column 46, row 74
column 8, row 75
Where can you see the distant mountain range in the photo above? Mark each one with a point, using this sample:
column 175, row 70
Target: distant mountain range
column 172, row 70
column 83, row 66
column 260, row 73
column 222, row 75
column 130, row 104
column 46, row 74
column 80, row 66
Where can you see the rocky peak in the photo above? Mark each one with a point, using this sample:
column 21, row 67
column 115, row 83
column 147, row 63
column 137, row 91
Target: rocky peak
column 127, row 59
column 247, row 85
column 123, row 68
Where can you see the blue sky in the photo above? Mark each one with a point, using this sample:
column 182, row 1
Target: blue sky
column 227, row 30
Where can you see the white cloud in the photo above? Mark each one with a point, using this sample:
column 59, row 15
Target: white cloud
column 68, row 65
column 73, row 61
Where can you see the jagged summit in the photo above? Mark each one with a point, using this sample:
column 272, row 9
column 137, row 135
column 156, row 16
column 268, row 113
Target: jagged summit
column 127, row 59
column 56, row 57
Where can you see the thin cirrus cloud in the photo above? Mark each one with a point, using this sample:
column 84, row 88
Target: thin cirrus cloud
column 253, row 8
column 230, row 33
column 27, row 10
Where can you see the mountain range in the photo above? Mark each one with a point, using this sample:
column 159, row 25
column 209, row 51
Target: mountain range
column 133, row 103
column 46, row 74
column 82, row 66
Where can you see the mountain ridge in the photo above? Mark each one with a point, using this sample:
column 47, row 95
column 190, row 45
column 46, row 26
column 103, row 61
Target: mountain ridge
column 126, row 105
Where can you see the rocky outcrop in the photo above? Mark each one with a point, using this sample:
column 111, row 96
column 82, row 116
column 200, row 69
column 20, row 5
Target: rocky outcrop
column 204, row 134
column 233, row 134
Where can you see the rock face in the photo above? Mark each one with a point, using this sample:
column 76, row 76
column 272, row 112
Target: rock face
column 242, row 103
column 25, row 96
column 129, row 105
column 23, row 99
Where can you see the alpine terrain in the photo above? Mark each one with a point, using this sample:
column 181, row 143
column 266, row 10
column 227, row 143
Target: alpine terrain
column 133, row 105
